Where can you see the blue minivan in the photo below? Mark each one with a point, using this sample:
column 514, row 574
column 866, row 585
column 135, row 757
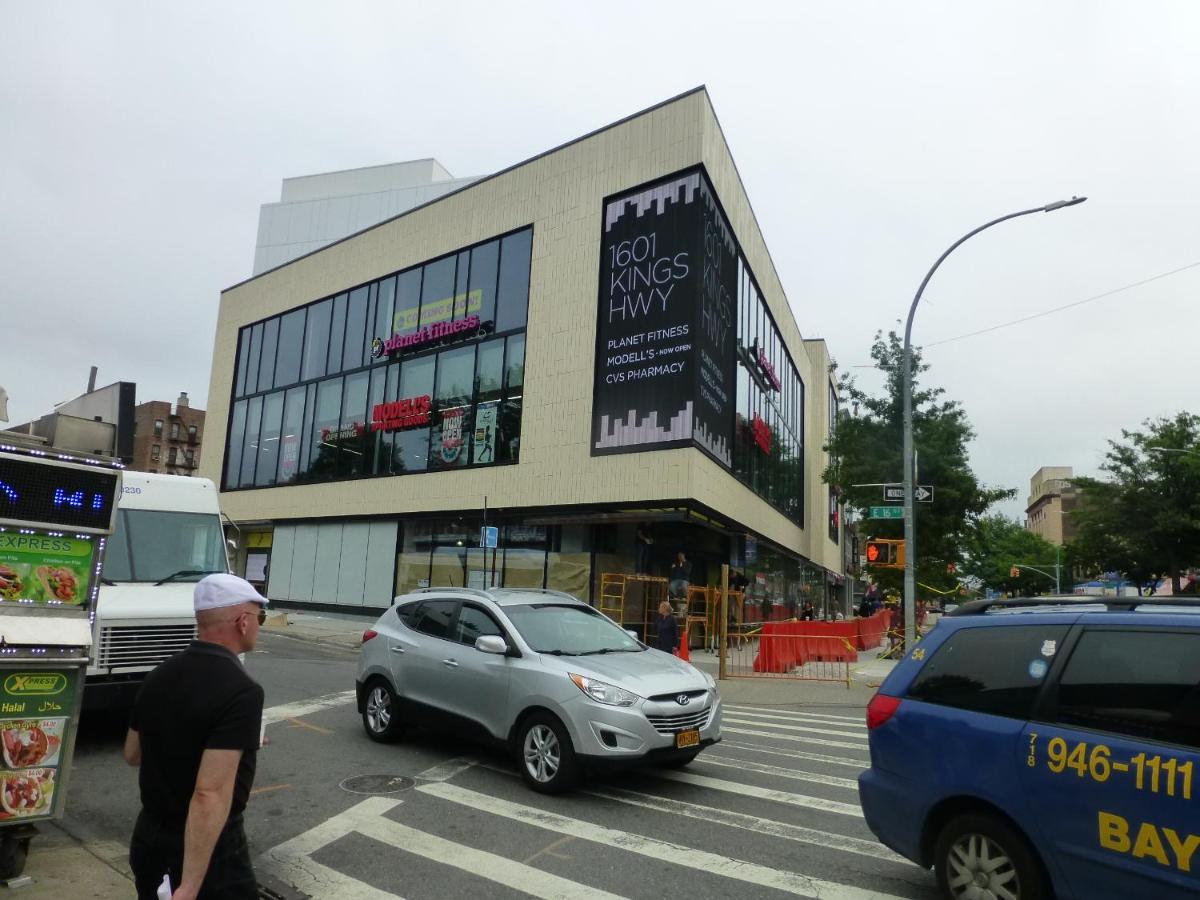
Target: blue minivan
column 1045, row 748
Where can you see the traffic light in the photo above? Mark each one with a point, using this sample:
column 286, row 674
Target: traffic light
column 885, row 553
column 1014, row 572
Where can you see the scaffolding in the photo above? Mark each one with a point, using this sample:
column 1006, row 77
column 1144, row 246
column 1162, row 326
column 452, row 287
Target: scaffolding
column 632, row 600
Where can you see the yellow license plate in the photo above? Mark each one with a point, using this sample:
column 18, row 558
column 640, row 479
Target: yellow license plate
column 687, row 739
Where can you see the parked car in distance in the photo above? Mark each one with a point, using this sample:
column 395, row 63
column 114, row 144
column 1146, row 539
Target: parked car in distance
column 1047, row 747
column 539, row 672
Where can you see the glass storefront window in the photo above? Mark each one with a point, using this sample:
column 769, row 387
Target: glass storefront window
column 385, row 305
column 489, row 371
column 289, row 438
column 449, row 444
column 460, row 285
column 353, row 433
column 513, row 290
column 268, row 442
column 237, row 436
column 253, row 360
column 374, row 437
column 266, row 369
column 250, row 449
column 482, row 285
column 291, row 345
column 356, row 330
column 437, row 292
column 239, row 389
column 324, row 457
column 408, row 302
column 412, row 562
column 306, row 433
column 316, row 340
column 411, row 446
column 514, row 367
column 337, row 334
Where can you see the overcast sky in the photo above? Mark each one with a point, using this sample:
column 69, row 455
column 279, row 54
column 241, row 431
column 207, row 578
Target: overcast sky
column 138, row 140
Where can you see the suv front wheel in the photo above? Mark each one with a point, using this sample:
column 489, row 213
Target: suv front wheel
column 980, row 855
column 545, row 755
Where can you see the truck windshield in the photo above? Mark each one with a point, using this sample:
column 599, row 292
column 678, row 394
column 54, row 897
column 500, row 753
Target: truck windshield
column 150, row 545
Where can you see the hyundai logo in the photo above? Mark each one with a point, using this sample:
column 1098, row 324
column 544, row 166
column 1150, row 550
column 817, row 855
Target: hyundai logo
column 683, row 699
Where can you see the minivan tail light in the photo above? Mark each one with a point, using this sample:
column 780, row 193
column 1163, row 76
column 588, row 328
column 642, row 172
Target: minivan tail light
column 880, row 709
column 369, row 633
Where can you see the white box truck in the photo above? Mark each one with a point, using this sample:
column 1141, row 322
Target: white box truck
column 168, row 536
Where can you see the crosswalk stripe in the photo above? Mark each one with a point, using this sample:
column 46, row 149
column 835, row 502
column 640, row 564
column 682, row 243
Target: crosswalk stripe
column 761, row 793
column 518, row 876
column 292, row 861
column 807, row 729
column 802, row 718
column 757, row 824
column 860, row 746
column 660, row 851
column 274, row 714
column 789, row 754
column 802, row 713
column 745, row 765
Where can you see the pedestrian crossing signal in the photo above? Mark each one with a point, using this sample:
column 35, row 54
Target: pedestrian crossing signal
column 885, row 554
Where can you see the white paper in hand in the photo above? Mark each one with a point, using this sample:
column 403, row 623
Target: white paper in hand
column 164, row 889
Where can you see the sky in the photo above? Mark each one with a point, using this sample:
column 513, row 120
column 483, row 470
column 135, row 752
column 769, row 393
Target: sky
column 138, row 140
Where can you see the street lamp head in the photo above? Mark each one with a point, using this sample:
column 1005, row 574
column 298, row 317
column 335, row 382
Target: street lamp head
column 1059, row 204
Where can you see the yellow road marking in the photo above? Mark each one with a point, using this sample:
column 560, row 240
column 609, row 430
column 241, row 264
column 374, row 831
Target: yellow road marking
column 301, row 724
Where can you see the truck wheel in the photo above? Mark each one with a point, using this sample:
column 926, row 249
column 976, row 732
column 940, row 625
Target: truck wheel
column 981, row 855
column 380, row 716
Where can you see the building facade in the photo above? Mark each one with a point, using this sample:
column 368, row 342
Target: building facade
column 589, row 351
column 1051, row 499
column 167, row 437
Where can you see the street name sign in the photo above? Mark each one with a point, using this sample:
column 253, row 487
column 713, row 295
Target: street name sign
column 894, row 493
column 886, row 512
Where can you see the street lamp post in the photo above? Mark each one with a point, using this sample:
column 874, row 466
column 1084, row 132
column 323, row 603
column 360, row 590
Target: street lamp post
column 910, row 561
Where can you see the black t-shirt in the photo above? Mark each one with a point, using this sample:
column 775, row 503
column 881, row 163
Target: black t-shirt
column 199, row 699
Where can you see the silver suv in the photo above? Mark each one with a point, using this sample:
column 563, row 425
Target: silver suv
column 540, row 672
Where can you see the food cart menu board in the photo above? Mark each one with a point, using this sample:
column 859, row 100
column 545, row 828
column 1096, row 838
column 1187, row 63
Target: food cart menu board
column 36, row 706
column 42, row 570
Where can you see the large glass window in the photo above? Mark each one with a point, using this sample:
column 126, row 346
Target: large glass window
column 1142, row 684
column 316, row 340
column 291, row 346
column 268, row 442
column 319, row 358
column 152, row 545
column 513, row 291
column 266, row 369
column 356, row 330
column 290, row 435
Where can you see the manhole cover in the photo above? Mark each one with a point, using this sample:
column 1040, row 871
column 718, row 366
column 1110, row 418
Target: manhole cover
column 376, row 784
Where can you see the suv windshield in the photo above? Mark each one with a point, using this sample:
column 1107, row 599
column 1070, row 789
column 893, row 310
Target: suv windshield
column 151, row 545
column 569, row 630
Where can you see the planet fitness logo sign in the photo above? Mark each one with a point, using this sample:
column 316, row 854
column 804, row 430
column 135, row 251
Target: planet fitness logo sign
column 436, row 333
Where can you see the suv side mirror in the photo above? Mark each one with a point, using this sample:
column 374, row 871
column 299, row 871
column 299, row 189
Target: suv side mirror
column 491, row 643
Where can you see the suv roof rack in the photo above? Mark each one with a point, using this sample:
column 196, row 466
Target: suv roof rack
column 549, row 591
column 1111, row 604
column 451, row 589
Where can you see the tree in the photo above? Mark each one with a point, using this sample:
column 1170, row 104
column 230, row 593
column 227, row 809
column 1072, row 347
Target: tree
column 867, row 448
column 998, row 544
column 1144, row 519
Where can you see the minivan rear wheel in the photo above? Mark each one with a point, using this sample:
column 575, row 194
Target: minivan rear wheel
column 380, row 716
column 545, row 755
column 980, row 855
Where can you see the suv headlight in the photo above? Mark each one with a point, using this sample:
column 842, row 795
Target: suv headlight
column 602, row 692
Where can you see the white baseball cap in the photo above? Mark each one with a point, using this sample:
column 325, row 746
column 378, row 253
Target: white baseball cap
column 221, row 590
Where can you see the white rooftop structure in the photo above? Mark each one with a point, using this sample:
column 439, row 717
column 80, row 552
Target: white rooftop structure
column 316, row 210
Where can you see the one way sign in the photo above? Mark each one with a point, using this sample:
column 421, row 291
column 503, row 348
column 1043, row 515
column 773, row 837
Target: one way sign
column 894, row 493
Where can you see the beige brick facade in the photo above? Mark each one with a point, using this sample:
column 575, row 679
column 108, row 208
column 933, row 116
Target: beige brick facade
column 560, row 194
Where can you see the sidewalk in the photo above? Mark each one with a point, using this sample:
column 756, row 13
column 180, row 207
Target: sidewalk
column 61, row 866
column 345, row 631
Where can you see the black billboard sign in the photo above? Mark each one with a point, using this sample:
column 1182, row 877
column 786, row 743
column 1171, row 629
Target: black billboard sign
column 665, row 336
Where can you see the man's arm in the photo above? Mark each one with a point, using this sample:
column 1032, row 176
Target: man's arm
column 207, row 814
column 133, row 748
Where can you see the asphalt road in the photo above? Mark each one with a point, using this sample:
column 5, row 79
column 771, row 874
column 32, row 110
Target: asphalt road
column 771, row 811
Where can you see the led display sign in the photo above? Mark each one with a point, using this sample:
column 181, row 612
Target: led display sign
column 47, row 493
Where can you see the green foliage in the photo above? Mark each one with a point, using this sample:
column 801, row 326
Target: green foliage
column 999, row 543
column 1143, row 521
column 867, row 448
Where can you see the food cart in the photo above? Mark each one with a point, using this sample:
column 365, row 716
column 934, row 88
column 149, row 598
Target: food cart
column 55, row 514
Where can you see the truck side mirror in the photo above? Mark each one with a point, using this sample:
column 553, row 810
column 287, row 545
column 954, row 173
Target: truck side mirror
column 231, row 544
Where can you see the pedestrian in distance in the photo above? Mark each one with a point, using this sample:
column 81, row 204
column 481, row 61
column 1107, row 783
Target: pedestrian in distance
column 194, row 735
column 667, row 639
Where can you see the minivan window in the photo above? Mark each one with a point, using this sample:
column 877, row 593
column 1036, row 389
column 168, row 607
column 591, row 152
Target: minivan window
column 434, row 618
column 1144, row 684
column 990, row 670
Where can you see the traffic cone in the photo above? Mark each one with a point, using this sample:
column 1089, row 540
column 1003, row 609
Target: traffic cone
column 683, row 645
